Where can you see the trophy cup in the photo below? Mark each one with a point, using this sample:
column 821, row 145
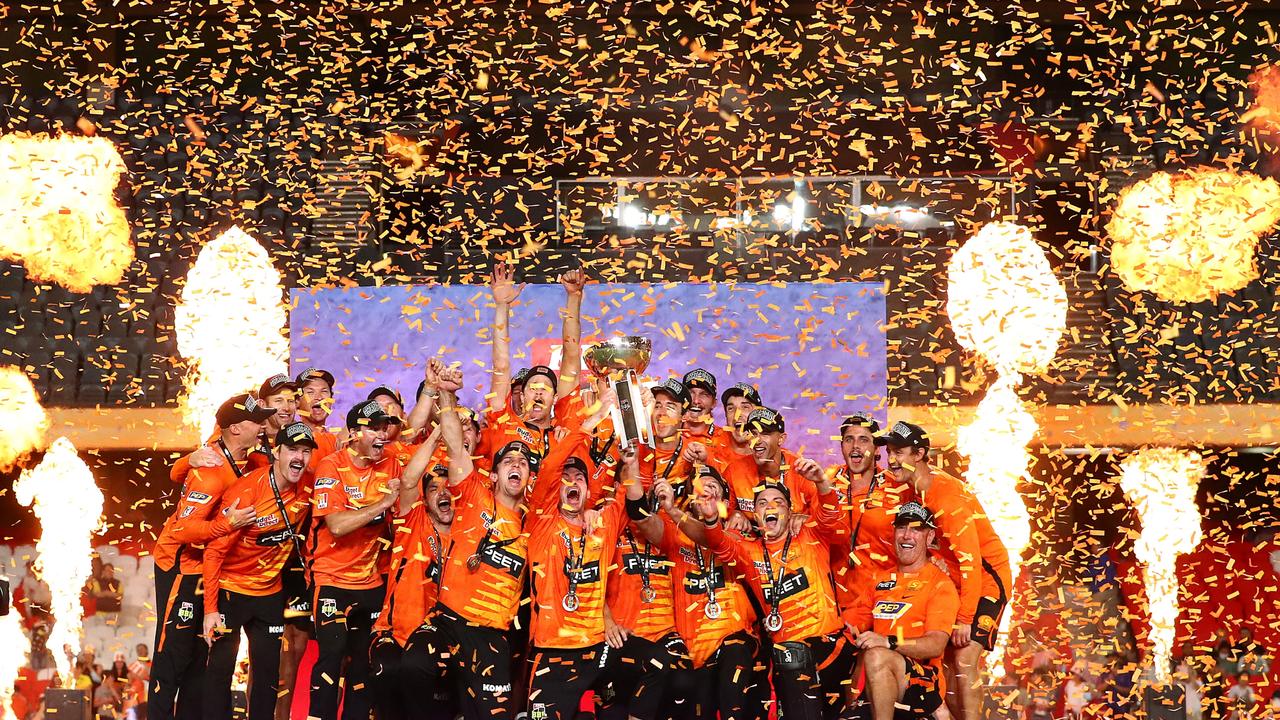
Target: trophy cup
column 621, row 360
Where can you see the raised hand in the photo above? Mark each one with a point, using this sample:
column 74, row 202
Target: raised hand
column 573, row 281
column 809, row 470
column 449, row 379
column 504, row 289
column 694, row 452
column 665, row 494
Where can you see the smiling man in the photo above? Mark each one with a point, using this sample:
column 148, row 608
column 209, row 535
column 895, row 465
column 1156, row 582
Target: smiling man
column 355, row 491
column 902, row 625
column 243, row 572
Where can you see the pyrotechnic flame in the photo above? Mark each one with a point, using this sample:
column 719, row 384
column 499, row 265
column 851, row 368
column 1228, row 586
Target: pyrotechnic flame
column 230, row 325
column 63, row 495
column 14, row 647
column 1265, row 113
column 1162, row 483
column 58, row 213
column 405, row 152
column 1007, row 305
column 1191, row 236
column 23, row 422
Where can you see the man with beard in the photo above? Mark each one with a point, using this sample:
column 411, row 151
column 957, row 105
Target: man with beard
column 569, row 553
column 765, row 431
column 315, row 402
column 717, row 619
column 180, row 655
column 871, row 497
column 640, row 617
column 483, row 577
column 903, row 625
column 243, row 573
column 790, row 574
column 699, row 419
column 975, row 557
column 355, row 491
column 419, row 540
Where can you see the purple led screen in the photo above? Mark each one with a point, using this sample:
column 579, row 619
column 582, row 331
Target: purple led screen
column 815, row 350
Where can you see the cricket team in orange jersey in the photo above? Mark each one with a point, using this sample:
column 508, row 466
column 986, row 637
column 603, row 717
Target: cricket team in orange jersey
column 524, row 560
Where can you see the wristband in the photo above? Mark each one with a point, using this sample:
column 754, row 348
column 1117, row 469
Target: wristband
column 433, row 394
column 893, row 642
column 636, row 509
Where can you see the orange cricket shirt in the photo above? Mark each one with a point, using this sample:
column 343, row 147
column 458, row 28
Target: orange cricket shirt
column 355, row 560
column 908, row 605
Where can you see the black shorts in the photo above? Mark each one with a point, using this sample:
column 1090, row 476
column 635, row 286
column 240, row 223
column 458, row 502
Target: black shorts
column 986, row 619
column 297, row 594
column 923, row 695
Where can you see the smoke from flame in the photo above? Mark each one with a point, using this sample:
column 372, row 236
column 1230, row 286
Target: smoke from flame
column 1162, row 483
column 58, row 213
column 1007, row 305
column 23, row 422
column 14, row 647
column 229, row 322
column 63, row 495
column 1190, row 236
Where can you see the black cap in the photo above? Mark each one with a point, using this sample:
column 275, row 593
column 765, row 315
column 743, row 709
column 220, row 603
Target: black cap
column 315, row 374
column 368, row 413
column 388, row 391
column 521, row 376
column 904, row 434
column 772, row 485
column 275, row 384
column 860, row 419
column 242, row 407
column 706, row 472
column 742, row 390
column 766, row 420
column 698, row 377
column 298, row 433
column 544, row 371
column 913, row 512
column 674, row 388
column 577, row 463
column 520, row 447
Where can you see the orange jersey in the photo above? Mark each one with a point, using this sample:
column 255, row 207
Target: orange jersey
column 558, row 549
column 196, row 520
column 250, row 560
column 353, row 560
column 488, row 551
column 871, row 514
column 967, row 543
column 743, row 477
column 797, row 572
column 907, row 605
column 695, row 574
column 637, row 558
column 413, row 583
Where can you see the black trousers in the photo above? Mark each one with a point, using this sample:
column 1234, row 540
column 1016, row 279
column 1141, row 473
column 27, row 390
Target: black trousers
column 639, row 674
column 478, row 658
column 177, row 665
column 560, row 677
column 262, row 619
column 725, row 686
column 811, row 677
column 393, row 699
column 344, row 627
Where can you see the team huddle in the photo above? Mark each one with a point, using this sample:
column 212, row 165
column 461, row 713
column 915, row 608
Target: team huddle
column 514, row 559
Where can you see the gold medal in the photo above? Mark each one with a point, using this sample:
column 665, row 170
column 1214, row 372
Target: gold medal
column 648, row 594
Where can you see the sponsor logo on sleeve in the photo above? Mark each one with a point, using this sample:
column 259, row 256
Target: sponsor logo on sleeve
column 198, row 497
column 326, row 482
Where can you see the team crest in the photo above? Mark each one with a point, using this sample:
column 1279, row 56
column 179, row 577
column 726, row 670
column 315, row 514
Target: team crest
column 986, row 622
column 186, row 612
column 328, row 607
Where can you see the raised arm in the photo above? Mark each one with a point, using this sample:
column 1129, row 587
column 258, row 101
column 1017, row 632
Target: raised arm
column 505, row 292
column 424, row 406
column 546, row 486
column 460, row 464
column 571, row 332
column 831, row 523
column 638, row 510
column 419, row 464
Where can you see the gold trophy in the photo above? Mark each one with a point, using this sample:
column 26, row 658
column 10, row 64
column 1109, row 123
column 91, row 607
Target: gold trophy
column 621, row 360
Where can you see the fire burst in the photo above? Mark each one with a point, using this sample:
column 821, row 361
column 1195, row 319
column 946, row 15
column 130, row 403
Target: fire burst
column 58, row 214
column 230, row 324
column 1190, row 236
column 1162, row 482
column 1007, row 305
column 62, row 493
column 14, row 647
column 23, row 420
